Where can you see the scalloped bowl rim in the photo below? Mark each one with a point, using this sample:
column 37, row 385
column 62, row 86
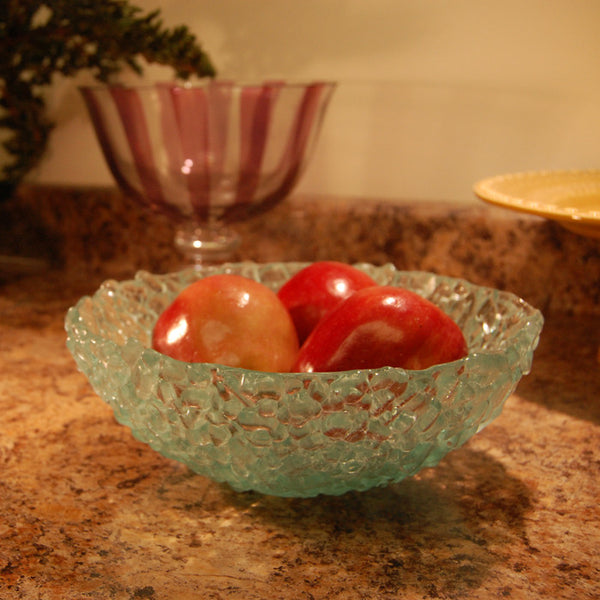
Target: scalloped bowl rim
column 141, row 275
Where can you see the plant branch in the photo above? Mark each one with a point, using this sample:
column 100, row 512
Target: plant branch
column 40, row 40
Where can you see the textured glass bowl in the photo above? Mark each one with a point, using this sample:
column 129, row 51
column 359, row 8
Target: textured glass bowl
column 291, row 434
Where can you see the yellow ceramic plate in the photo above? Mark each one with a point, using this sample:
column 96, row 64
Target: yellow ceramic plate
column 571, row 198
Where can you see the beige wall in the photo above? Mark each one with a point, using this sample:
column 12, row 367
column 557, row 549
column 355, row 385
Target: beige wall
column 433, row 94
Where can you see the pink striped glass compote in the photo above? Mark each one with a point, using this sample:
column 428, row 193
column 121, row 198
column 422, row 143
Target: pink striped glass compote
column 207, row 154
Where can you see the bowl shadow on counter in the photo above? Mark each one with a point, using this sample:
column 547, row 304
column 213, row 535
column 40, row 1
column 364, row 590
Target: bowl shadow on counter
column 565, row 371
column 440, row 532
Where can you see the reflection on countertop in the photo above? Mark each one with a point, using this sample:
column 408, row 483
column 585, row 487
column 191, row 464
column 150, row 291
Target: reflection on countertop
column 89, row 512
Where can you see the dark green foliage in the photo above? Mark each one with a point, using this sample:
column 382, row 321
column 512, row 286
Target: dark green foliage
column 41, row 39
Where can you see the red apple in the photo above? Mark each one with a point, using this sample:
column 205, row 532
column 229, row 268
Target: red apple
column 382, row 326
column 315, row 290
column 230, row 320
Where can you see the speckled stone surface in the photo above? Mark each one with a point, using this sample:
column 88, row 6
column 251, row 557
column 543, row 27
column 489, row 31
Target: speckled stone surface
column 98, row 233
column 89, row 512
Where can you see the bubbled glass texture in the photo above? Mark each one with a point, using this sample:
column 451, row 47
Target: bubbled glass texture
column 301, row 434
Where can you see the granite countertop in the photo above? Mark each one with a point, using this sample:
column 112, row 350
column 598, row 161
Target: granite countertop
column 89, row 512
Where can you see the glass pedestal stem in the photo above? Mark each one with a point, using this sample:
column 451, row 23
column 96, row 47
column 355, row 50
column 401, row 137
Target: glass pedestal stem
column 206, row 244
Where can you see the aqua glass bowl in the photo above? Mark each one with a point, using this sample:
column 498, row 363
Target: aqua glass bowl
column 301, row 434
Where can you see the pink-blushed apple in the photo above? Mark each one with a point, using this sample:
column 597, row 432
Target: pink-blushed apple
column 231, row 320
